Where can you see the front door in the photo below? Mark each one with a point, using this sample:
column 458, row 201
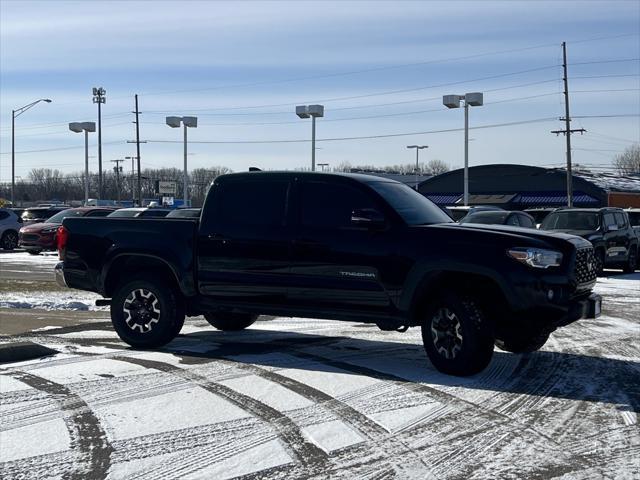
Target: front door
column 336, row 264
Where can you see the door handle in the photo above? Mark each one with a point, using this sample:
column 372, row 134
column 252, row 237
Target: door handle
column 218, row 237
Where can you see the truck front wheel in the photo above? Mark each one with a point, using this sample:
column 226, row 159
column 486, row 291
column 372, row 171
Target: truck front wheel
column 146, row 313
column 457, row 336
column 230, row 322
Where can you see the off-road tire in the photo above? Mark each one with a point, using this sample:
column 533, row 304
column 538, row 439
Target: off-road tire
column 523, row 345
column 146, row 312
column 632, row 262
column 457, row 336
column 230, row 322
column 9, row 240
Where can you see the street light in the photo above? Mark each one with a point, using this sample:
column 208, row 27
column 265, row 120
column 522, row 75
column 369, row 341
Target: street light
column 313, row 111
column 474, row 99
column 192, row 122
column 418, row 148
column 16, row 113
column 99, row 98
column 86, row 127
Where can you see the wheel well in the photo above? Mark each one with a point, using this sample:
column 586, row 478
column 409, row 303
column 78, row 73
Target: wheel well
column 8, row 230
column 123, row 268
column 482, row 288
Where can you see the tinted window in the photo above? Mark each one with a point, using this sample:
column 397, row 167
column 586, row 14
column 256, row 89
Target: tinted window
column 525, row 221
column 58, row 217
column 634, row 218
column 124, row 213
column 620, row 221
column 569, row 220
column 154, row 213
column 513, row 220
column 328, row 205
column 251, row 203
column 99, row 213
column 487, row 218
column 609, row 220
column 414, row 208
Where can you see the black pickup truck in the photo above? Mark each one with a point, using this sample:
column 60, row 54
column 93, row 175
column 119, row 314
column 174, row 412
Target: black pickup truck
column 343, row 247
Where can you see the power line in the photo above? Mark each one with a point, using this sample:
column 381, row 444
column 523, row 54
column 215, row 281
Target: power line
column 479, row 127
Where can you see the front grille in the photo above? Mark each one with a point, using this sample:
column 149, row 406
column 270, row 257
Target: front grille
column 29, row 237
column 585, row 271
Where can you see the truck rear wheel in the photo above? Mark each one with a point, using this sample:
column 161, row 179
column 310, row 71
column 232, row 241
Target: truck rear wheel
column 457, row 336
column 230, row 322
column 146, row 313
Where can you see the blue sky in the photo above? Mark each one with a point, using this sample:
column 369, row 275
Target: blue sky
column 380, row 68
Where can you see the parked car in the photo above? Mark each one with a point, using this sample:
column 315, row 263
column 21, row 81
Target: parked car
column 515, row 219
column 460, row 211
column 40, row 214
column 336, row 246
column 38, row 237
column 634, row 218
column 185, row 213
column 10, row 224
column 614, row 240
column 140, row 212
column 539, row 214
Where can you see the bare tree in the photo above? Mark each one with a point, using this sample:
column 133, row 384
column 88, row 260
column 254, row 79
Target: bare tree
column 628, row 162
column 436, row 167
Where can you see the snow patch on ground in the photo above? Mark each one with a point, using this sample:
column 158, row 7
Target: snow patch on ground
column 54, row 300
column 36, row 439
column 330, row 436
column 10, row 384
column 190, row 407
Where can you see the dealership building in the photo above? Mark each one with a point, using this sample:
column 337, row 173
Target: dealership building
column 518, row 187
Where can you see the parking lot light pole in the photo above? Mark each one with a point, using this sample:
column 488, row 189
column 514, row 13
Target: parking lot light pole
column 313, row 111
column 191, row 122
column 474, row 99
column 16, row 113
column 86, row 127
column 418, row 148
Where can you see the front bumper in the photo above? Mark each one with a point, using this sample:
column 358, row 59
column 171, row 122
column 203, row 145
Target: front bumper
column 590, row 307
column 59, row 273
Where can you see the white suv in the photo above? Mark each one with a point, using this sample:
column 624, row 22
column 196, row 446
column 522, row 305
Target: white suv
column 10, row 225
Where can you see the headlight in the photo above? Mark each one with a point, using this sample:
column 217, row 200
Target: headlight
column 536, row 257
column 49, row 229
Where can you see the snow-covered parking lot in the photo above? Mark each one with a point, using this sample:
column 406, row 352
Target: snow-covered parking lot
column 291, row 398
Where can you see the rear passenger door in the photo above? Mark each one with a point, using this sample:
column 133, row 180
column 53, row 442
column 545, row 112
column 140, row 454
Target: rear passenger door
column 336, row 264
column 244, row 242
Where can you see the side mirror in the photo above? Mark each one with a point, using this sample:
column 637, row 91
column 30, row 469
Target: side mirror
column 367, row 217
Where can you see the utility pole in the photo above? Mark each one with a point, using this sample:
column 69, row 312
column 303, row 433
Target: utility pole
column 99, row 97
column 117, row 169
column 138, row 152
column 567, row 131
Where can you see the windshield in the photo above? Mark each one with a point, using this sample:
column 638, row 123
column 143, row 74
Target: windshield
column 414, row 208
column 571, row 221
column 489, row 218
column 58, row 217
column 124, row 213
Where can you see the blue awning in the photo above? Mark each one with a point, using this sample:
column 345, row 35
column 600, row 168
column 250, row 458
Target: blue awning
column 444, row 198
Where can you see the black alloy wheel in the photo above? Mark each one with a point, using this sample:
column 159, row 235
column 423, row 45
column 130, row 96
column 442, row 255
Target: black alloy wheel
column 9, row 240
column 146, row 312
column 457, row 336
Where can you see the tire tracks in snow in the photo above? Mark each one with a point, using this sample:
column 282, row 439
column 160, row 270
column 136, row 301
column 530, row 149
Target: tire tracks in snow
column 88, row 438
column 305, row 453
